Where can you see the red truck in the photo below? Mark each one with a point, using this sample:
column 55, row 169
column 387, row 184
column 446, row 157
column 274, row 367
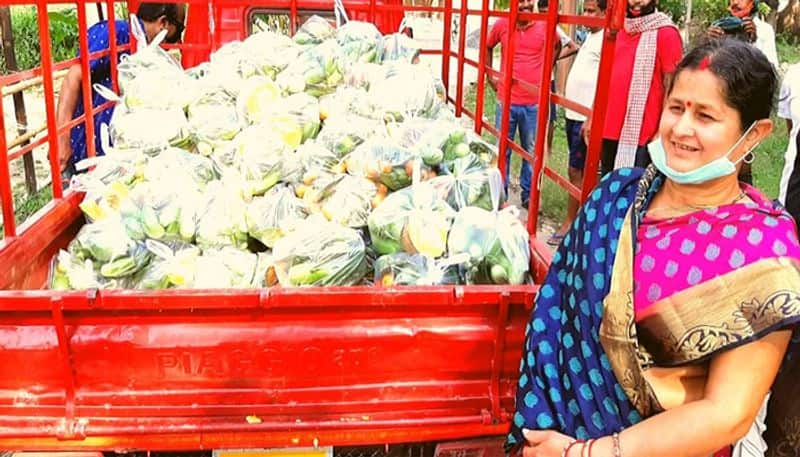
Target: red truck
column 272, row 368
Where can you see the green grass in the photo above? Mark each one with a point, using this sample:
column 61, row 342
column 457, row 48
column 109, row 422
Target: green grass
column 787, row 51
column 25, row 206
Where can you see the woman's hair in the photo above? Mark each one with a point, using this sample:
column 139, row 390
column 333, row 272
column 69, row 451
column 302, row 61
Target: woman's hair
column 749, row 82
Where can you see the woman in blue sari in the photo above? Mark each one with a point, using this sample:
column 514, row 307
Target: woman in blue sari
column 664, row 326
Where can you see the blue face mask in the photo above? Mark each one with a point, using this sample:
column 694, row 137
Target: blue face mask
column 712, row 170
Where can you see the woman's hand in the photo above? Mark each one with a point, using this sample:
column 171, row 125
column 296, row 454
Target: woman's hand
column 546, row 443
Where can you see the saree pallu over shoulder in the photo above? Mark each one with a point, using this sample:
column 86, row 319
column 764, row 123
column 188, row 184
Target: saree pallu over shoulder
column 723, row 312
column 695, row 324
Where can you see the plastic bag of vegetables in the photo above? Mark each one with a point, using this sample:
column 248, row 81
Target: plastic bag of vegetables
column 163, row 209
column 314, row 31
column 231, row 65
column 406, row 91
column 108, row 245
column 342, row 134
column 282, row 52
column 495, row 241
column 415, row 220
column 258, row 96
column 148, row 58
column 214, row 117
column 403, row 269
column 70, row 273
column 229, row 267
column 360, row 42
column 317, row 71
column 465, row 183
column 320, row 253
column 222, row 221
column 146, row 129
column 399, row 47
column 344, row 199
column 385, row 162
column 173, row 265
column 315, row 160
column 344, row 102
column 263, row 160
column 173, row 165
column 271, row 217
column 296, row 119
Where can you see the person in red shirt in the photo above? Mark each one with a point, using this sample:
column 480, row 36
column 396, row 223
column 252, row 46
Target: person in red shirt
column 528, row 58
column 647, row 52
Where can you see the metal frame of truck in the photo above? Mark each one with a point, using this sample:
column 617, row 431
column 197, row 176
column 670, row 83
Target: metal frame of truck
column 202, row 369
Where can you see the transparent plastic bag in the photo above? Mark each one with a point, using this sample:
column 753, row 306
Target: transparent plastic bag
column 163, row 209
column 295, row 119
column 214, row 117
column 360, row 42
column 344, row 102
column 263, row 160
column 317, row 71
column 282, row 52
column 228, row 267
column 399, row 47
column 320, row 253
column 343, row 199
column 271, row 217
column 385, row 162
column 342, row 134
column 258, row 97
column 107, row 244
column 314, row 31
column 413, row 220
column 402, row 269
column 466, row 183
column 407, row 91
column 496, row 242
column 70, row 273
column 316, row 159
column 148, row 58
column 146, row 129
column 222, row 221
column 231, row 65
column 173, row 266
column 178, row 165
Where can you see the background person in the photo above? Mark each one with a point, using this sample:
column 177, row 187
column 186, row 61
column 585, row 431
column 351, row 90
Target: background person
column 527, row 60
column 581, row 86
column 154, row 17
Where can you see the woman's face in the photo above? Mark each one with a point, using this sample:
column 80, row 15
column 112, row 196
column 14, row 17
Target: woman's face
column 697, row 125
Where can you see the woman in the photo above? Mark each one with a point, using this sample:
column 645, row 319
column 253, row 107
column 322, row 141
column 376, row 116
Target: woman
column 669, row 307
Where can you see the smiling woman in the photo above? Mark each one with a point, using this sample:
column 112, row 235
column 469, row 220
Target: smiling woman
column 669, row 306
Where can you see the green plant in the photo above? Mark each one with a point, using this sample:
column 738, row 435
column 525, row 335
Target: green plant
column 25, row 27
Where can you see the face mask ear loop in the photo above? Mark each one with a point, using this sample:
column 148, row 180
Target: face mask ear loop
column 749, row 152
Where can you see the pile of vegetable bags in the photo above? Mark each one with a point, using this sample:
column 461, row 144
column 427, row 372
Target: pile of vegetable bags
column 326, row 159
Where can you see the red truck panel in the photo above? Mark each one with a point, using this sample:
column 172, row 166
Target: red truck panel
column 444, row 359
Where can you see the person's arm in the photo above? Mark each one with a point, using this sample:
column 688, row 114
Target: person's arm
column 67, row 101
column 568, row 46
column 490, row 63
column 492, row 40
column 730, row 404
column 789, row 127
